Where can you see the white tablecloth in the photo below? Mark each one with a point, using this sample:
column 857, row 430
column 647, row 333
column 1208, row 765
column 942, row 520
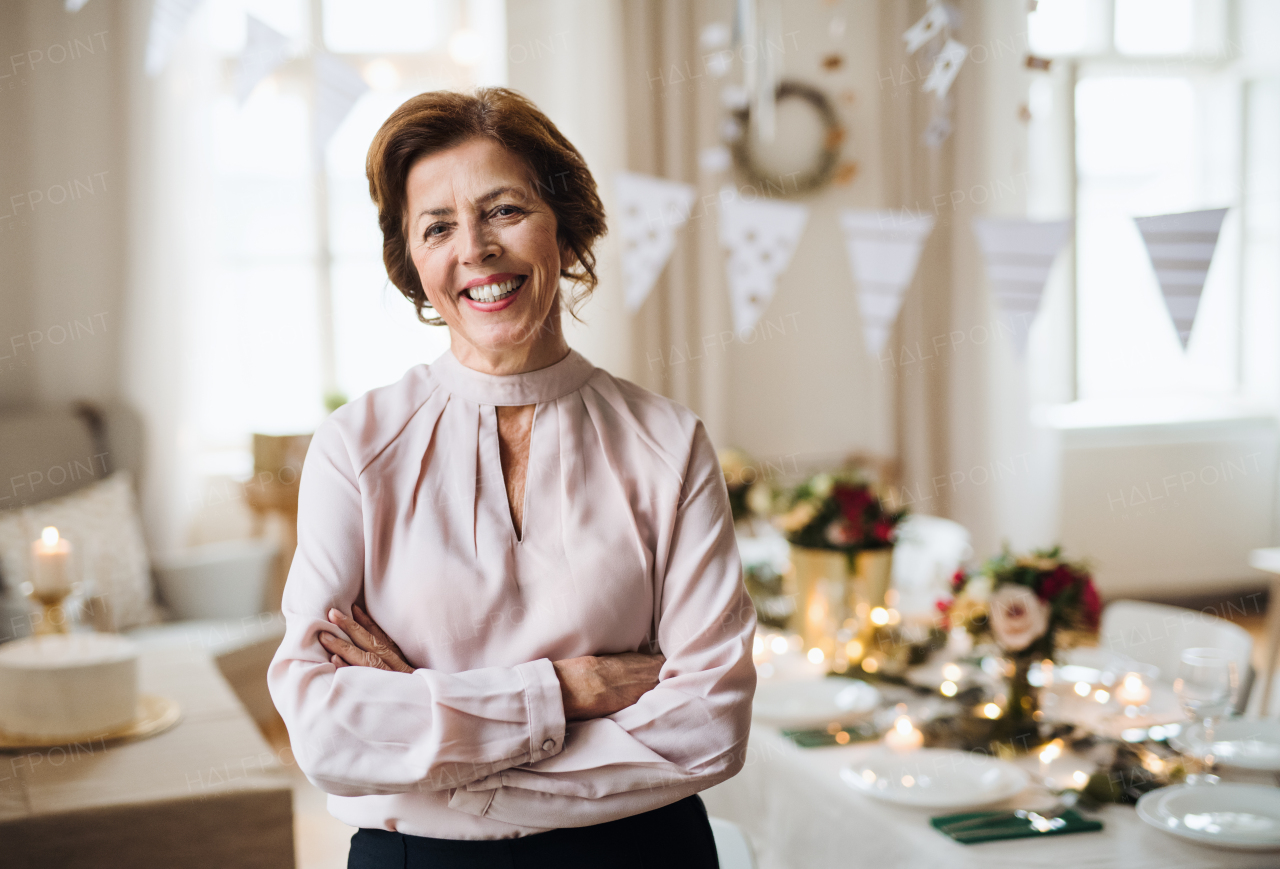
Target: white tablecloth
column 800, row 815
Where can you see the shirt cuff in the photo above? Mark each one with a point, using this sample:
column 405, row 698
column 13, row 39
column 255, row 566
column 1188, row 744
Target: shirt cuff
column 544, row 705
column 472, row 802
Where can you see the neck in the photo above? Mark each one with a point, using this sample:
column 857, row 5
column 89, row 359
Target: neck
column 544, row 349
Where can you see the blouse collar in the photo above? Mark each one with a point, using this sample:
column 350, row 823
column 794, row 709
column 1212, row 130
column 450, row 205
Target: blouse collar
column 513, row 390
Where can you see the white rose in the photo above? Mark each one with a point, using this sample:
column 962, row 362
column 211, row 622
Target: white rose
column 1018, row 617
column 979, row 588
column 821, row 485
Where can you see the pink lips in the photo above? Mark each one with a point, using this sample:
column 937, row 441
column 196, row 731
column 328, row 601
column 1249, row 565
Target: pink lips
column 490, row 307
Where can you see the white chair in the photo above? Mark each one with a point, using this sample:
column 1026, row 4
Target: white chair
column 1157, row 634
column 732, row 845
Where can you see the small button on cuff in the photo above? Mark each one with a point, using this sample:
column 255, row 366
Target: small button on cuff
column 548, row 744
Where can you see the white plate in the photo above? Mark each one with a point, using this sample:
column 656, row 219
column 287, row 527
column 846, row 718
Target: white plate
column 1236, row 742
column 1237, row 816
column 935, row 778
column 813, row 703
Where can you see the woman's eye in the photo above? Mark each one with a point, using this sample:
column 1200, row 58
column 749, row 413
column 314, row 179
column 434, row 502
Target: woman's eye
column 506, row 210
column 436, row 229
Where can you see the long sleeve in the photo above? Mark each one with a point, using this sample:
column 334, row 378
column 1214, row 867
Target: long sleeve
column 357, row 730
column 688, row 733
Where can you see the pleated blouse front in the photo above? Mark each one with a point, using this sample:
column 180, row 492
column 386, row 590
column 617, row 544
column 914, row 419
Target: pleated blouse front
column 627, row 545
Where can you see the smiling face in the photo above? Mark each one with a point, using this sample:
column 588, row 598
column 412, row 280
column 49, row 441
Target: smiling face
column 485, row 248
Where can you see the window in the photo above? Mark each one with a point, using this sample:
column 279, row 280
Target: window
column 294, row 302
column 1150, row 108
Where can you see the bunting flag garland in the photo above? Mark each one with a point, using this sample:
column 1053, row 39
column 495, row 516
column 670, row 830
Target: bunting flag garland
column 884, row 249
column 761, row 237
column 651, row 210
column 75, row 5
column 1181, row 247
column 338, row 89
column 265, row 49
column 929, row 26
column 946, row 66
column 168, row 20
column 1019, row 254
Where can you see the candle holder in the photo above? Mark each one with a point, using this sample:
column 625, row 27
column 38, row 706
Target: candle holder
column 53, row 614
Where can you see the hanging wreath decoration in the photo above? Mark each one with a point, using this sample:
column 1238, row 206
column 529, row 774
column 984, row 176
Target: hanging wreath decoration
column 821, row 167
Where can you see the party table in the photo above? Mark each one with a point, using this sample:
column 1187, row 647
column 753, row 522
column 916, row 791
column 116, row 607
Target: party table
column 208, row 792
column 799, row 814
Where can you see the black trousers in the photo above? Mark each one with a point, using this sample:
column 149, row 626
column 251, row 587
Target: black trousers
column 677, row 836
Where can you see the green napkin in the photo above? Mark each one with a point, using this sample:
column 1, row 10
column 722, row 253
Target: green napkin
column 1010, row 828
column 818, row 738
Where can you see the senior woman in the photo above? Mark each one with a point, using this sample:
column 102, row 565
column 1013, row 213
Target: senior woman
column 517, row 631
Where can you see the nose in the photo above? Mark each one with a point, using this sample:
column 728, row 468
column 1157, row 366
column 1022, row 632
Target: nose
column 477, row 243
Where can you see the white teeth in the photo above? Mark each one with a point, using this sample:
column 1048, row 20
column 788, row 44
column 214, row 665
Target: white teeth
column 494, row 292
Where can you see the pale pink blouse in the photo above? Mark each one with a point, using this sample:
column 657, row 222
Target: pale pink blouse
column 628, row 546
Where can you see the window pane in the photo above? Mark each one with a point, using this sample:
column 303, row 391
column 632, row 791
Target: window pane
column 1067, row 27
column 378, row 334
column 1146, row 146
column 1154, row 26
column 375, row 26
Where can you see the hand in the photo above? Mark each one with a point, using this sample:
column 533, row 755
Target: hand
column 372, row 647
column 596, row 686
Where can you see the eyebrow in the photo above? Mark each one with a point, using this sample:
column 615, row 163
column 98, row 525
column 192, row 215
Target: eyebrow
column 488, row 197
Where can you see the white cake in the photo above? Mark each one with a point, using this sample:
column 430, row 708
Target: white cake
column 66, row 686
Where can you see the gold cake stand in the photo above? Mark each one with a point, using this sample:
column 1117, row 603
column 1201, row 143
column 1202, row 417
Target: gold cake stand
column 155, row 716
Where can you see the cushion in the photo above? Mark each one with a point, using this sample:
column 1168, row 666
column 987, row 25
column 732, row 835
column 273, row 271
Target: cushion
column 109, row 555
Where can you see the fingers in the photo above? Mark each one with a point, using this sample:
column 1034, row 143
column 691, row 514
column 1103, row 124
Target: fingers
column 366, row 621
column 350, row 654
column 368, row 650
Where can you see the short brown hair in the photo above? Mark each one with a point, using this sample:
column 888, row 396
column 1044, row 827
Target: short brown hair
column 437, row 120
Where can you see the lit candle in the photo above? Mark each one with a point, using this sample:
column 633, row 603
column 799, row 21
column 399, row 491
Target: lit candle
column 1132, row 691
column 903, row 736
column 50, row 568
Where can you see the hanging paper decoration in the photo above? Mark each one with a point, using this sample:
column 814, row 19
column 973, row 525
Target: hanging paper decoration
column 884, row 249
column 1181, row 247
column 75, row 5
column 651, row 210
column 168, row 20
column 338, row 88
column 946, row 66
column 932, row 24
column 265, row 49
column 761, row 237
column 937, row 23
column 1019, row 254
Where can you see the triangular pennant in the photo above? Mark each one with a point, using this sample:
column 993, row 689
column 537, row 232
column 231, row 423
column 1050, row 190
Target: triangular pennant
column 1181, row 247
column 168, row 20
column 338, row 89
column 75, row 5
column 884, row 250
column 650, row 211
column 1019, row 254
column 265, row 48
column 761, row 237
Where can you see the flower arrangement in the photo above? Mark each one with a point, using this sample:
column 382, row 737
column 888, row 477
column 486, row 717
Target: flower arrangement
column 838, row 511
column 1029, row 605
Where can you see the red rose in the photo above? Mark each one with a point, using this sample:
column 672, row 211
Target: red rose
column 958, row 581
column 1090, row 604
column 853, row 501
column 1053, row 584
column 883, row 531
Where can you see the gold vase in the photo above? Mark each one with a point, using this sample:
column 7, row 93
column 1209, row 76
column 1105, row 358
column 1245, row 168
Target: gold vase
column 818, row 581
column 872, row 573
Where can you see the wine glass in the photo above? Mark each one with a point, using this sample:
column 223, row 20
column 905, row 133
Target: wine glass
column 1206, row 683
